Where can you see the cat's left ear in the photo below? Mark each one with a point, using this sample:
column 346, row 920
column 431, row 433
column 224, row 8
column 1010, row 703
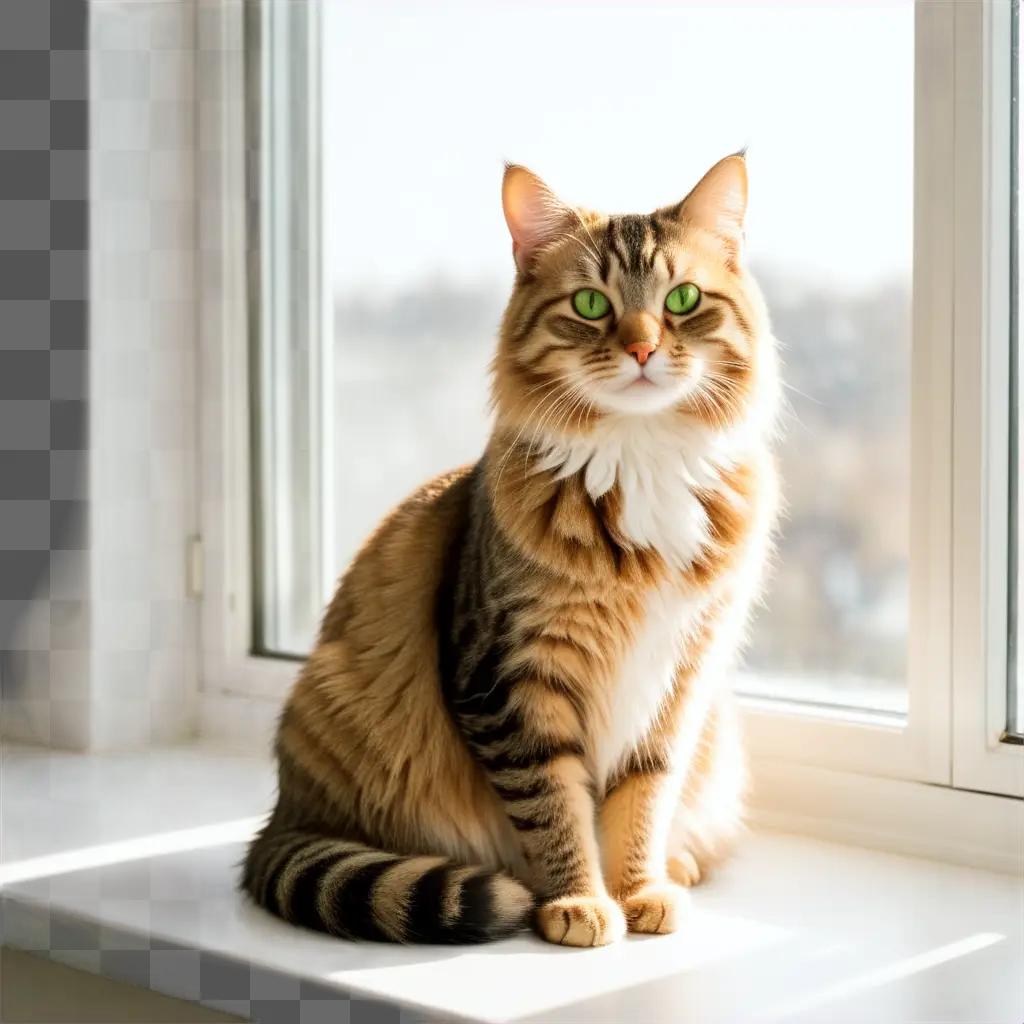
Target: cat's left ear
column 718, row 202
column 534, row 214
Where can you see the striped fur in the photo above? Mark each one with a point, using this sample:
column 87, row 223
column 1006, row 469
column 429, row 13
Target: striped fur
column 523, row 668
column 355, row 892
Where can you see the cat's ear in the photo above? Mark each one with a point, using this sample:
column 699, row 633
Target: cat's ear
column 534, row 214
column 718, row 202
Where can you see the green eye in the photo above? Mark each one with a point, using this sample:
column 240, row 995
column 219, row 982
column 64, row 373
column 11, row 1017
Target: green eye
column 682, row 299
column 590, row 304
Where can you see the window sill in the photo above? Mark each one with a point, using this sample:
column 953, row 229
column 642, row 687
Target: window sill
column 802, row 792
column 125, row 865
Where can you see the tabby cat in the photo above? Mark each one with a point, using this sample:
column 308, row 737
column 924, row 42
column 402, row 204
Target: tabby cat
column 516, row 708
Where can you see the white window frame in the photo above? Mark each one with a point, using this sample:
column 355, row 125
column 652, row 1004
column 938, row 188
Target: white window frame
column 810, row 764
column 240, row 691
column 959, row 437
column 982, row 760
column 917, row 748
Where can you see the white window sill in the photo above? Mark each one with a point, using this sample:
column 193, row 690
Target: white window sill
column 125, row 865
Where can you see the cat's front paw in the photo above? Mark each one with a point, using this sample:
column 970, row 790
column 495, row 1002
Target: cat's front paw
column 684, row 868
column 655, row 908
column 581, row 921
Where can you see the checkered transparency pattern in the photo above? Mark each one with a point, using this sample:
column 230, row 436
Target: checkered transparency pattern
column 255, row 993
column 43, row 368
column 143, row 350
column 98, row 396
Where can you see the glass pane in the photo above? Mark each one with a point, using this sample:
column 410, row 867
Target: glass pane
column 289, row 425
column 1015, row 704
column 422, row 108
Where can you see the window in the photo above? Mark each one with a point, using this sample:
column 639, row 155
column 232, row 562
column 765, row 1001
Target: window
column 878, row 229
column 419, row 265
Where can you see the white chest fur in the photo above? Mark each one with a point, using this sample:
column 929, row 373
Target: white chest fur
column 644, row 678
column 659, row 464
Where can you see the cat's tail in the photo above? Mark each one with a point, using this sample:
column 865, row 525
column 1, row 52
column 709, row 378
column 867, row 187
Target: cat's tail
column 354, row 891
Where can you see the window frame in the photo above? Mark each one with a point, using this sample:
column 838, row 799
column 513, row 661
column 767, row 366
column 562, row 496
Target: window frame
column 955, row 595
column 875, row 744
column 982, row 756
column 240, row 690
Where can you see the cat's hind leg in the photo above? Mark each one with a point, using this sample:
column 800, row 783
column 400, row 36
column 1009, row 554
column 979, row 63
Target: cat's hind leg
column 709, row 820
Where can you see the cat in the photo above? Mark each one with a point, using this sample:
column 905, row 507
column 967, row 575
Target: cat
column 517, row 708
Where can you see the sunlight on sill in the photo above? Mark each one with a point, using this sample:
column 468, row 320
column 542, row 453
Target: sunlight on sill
column 709, row 939
column 840, row 696
column 124, row 850
column 887, row 974
column 846, row 714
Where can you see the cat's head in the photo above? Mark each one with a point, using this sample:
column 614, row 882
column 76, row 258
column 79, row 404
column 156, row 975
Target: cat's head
column 630, row 315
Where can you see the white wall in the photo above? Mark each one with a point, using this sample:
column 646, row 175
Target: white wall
column 122, row 656
column 144, row 507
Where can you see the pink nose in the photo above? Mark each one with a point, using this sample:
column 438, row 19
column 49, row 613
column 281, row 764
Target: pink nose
column 640, row 350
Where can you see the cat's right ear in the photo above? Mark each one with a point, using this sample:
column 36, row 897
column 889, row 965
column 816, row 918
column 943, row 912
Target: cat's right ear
column 534, row 214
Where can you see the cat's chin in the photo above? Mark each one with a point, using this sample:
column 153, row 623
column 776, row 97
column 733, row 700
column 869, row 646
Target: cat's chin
column 641, row 397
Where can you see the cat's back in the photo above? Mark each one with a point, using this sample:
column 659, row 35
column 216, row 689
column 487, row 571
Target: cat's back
column 366, row 725
column 366, row 746
column 396, row 573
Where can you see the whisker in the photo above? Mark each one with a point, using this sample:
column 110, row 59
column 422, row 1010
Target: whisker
column 537, row 406
column 547, row 417
column 586, row 248
column 802, row 394
column 583, row 224
column 552, row 381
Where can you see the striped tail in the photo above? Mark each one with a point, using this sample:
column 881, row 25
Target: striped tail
column 351, row 890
